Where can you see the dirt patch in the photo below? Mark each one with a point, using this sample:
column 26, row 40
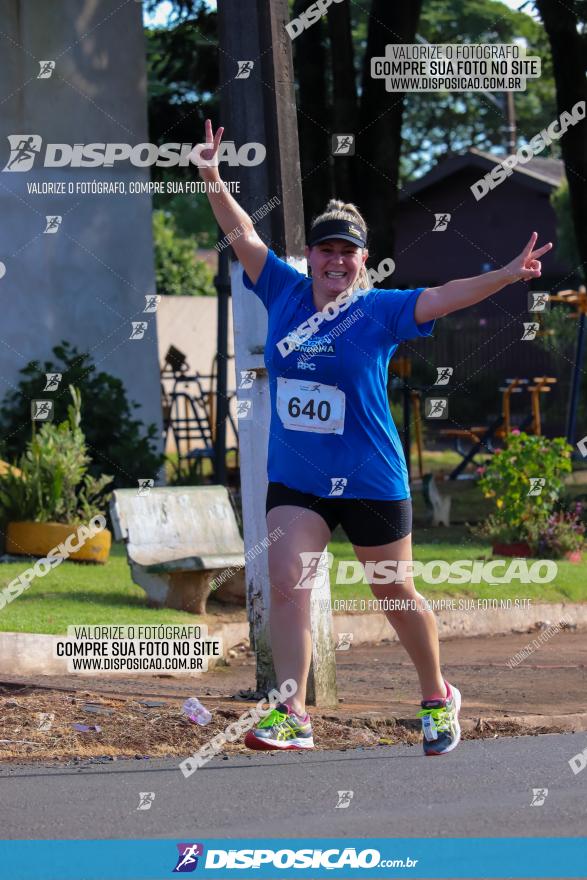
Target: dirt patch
column 40, row 726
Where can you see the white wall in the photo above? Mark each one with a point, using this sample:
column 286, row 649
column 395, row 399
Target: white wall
column 87, row 282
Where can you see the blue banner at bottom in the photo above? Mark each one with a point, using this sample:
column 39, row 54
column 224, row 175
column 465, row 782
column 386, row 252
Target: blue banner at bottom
column 512, row 857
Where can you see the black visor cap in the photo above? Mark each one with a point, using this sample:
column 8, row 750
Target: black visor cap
column 348, row 230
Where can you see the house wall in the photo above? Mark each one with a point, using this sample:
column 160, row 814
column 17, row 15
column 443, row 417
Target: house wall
column 482, row 343
column 480, row 235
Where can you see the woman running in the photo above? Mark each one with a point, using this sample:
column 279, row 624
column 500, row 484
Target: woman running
column 335, row 457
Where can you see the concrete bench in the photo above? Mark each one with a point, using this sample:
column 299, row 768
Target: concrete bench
column 178, row 540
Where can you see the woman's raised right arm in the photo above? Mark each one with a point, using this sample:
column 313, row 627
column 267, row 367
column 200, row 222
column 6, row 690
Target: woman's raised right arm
column 249, row 248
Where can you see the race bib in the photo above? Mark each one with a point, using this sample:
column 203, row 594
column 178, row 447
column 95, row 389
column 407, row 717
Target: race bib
column 310, row 406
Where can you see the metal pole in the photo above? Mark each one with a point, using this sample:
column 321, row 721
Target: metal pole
column 576, row 383
column 511, row 122
column 406, row 432
column 222, row 284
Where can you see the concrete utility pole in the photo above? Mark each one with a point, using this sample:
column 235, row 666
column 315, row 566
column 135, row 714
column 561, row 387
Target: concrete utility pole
column 260, row 108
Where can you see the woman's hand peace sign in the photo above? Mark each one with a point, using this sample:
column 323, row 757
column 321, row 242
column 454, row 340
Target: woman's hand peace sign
column 205, row 155
column 527, row 265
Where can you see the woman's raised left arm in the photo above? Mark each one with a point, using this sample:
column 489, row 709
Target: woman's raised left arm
column 435, row 302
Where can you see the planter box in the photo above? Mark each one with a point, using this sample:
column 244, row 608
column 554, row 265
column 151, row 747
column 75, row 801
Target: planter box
column 520, row 548
column 37, row 539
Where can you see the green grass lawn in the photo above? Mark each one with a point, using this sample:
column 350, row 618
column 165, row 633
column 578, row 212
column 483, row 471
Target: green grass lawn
column 80, row 594
column 85, row 594
column 570, row 584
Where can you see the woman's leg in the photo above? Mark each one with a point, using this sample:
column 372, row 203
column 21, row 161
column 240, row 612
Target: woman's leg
column 289, row 616
column 416, row 629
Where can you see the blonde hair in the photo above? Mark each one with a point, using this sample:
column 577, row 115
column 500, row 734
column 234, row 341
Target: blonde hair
column 338, row 210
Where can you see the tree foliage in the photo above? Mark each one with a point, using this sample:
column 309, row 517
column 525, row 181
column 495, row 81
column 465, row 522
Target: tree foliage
column 177, row 269
column 441, row 123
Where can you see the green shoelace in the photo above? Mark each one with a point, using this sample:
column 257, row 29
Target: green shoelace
column 440, row 716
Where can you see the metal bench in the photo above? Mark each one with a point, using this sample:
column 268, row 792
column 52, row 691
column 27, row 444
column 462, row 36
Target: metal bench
column 178, row 540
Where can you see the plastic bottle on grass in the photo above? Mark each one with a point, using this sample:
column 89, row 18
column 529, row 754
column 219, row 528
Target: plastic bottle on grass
column 196, row 712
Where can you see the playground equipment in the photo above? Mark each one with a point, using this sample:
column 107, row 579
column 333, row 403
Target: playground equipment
column 484, row 435
column 189, row 411
column 578, row 300
column 542, row 385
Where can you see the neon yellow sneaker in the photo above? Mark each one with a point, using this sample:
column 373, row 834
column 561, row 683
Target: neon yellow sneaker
column 281, row 729
column 440, row 722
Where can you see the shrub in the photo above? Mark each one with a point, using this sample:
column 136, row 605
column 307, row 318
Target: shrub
column 54, row 484
column 508, row 479
column 116, row 442
column 563, row 532
column 177, row 269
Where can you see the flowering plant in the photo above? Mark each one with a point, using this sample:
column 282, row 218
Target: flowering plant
column 563, row 532
column 526, row 479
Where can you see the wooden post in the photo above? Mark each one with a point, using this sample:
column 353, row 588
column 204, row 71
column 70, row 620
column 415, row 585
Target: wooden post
column 261, row 109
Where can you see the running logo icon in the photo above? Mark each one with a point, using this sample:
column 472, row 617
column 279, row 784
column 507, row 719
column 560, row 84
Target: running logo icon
column 146, row 799
column 315, row 570
column 244, row 409
column 536, row 485
column 247, row 378
column 344, row 799
column 138, row 329
column 152, row 300
column 244, row 69
column 343, row 642
column 530, row 331
column 538, row 301
column 539, row 795
column 52, row 381
column 338, row 485
column 23, row 150
column 53, row 224
column 343, row 145
column 145, row 487
column 187, row 860
column 444, row 375
column 47, row 68
column 441, row 222
column 42, row 410
column 436, row 407
column 45, row 720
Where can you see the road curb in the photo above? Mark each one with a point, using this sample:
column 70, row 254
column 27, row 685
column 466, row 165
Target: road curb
column 32, row 653
column 374, row 627
column 575, row 723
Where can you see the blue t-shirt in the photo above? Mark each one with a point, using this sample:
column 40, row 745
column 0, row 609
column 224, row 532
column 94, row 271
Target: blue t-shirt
column 331, row 432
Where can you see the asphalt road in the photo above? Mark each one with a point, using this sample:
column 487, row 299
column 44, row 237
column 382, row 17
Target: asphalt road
column 484, row 788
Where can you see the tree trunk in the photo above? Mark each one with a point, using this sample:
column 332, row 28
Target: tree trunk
column 313, row 116
column 344, row 95
column 379, row 136
column 569, row 63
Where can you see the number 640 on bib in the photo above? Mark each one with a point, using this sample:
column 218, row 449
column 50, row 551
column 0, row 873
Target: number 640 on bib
column 310, row 406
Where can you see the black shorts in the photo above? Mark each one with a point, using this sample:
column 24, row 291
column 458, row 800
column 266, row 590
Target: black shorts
column 367, row 522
